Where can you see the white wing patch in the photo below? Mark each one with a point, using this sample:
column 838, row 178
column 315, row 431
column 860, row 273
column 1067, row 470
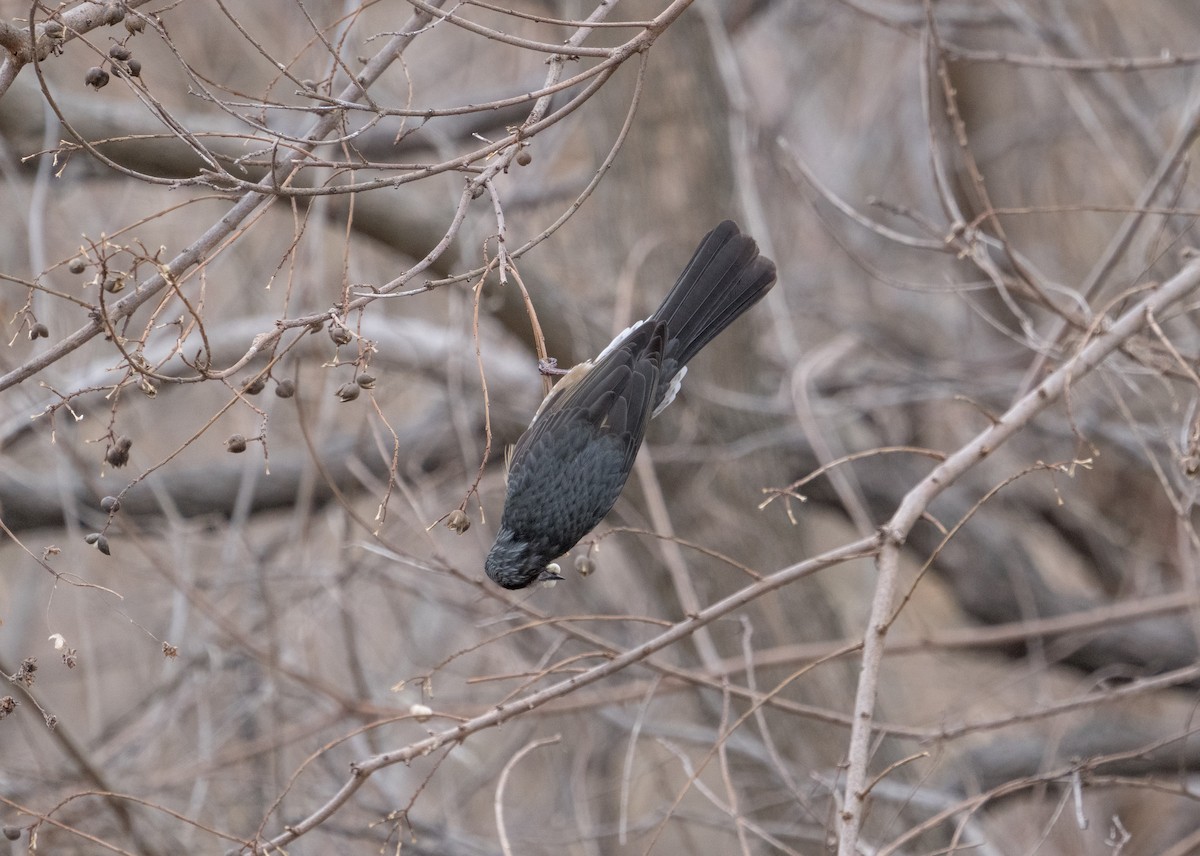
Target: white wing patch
column 621, row 337
column 671, row 392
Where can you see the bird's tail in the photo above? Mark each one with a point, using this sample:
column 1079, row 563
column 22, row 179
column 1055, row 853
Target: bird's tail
column 725, row 277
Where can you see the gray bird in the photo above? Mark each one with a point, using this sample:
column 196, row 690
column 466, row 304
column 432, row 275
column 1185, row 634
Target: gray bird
column 571, row 464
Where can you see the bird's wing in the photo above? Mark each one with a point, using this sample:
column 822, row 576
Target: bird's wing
column 613, row 398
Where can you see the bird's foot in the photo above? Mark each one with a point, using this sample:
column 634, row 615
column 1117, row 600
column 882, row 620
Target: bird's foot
column 549, row 366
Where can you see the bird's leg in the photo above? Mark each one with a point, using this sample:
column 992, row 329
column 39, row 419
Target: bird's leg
column 549, row 367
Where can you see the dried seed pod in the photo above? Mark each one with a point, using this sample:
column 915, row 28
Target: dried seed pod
column 134, row 24
column 285, row 389
column 77, row 266
column 347, row 391
column 99, row 542
column 254, row 385
column 524, row 158
column 585, row 564
column 458, row 521
column 115, row 284
column 7, row 705
column 120, row 52
column 110, row 504
column 39, row 331
column 340, row 335
column 135, row 68
column 366, row 381
column 96, row 77
column 118, row 452
column 114, row 13
column 52, row 33
column 27, row 672
column 236, row 444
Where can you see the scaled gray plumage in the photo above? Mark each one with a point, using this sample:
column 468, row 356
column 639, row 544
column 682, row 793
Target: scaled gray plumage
column 571, row 464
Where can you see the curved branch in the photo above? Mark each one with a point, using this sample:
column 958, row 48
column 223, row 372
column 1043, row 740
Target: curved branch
column 361, row 771
column 916, row 501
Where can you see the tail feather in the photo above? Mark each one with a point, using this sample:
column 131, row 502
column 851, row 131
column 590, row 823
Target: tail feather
column 725, row 277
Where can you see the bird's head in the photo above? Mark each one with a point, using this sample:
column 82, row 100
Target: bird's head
column 515, row 564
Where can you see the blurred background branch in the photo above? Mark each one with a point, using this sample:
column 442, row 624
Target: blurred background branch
column 204, row 202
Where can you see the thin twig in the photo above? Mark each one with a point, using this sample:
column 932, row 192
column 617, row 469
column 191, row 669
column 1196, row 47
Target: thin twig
column 502, row 782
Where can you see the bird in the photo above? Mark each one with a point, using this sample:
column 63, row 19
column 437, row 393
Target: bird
column 569, row 466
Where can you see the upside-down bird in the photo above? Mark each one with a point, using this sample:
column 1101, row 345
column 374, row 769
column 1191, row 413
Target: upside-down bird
column 570, row 465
